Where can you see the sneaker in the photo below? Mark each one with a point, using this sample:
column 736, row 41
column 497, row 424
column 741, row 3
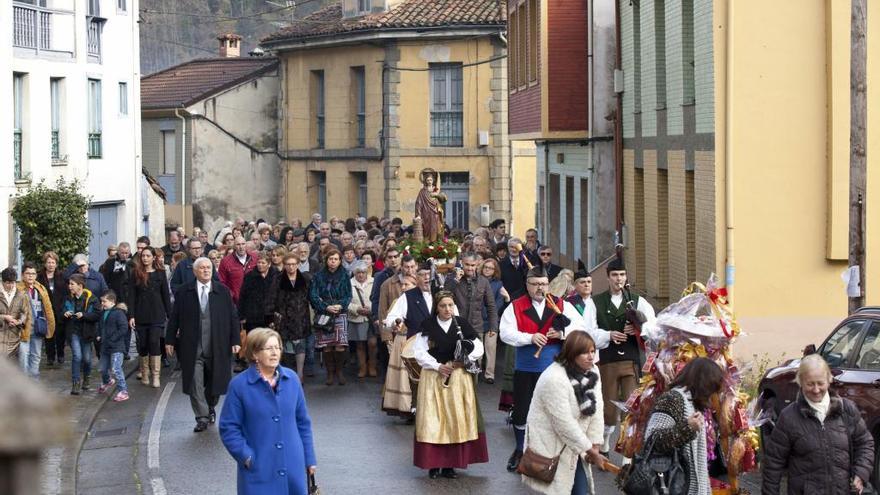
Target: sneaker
column 107, row 386
column 120, row 396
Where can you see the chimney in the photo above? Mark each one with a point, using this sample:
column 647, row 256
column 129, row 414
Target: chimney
column 230, row 45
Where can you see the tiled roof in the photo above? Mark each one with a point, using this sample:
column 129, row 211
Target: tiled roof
column 408, row 14
column 195, row 80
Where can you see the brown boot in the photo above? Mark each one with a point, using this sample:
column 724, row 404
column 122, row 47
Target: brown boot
column 340, row 366
column 155, row 370
column 330, row 366
column 371, row 357
column 362, row 360
column 145, row 370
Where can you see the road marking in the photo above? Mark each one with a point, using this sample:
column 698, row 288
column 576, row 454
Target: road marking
column 157, row 483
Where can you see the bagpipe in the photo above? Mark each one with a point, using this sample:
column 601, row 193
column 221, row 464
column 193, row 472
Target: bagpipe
column 463, row 349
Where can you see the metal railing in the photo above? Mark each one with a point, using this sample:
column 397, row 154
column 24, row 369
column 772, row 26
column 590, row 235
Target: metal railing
column 32, row 28
column 56, row 146
column 320, row 128
column 94, row 41
column 362, row 130
column 446, row 129
column 94, row 145
column 16, row 153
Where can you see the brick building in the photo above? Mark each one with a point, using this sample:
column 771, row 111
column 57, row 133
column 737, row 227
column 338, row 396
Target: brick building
column 560, row 73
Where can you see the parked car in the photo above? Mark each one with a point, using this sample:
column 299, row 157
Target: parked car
column 852, row 351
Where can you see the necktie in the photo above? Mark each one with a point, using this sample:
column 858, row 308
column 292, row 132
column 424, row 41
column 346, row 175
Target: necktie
column 203, row 300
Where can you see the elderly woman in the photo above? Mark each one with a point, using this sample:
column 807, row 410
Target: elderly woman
column 265, row 410
column 51, row 278
column 676, row 421
column 563, row 417
column 287, row 310
column 330, row 294
column 14, row 312
column 359, row 329
column 820, row 440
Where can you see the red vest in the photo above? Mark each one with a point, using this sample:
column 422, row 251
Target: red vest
column 527, row 324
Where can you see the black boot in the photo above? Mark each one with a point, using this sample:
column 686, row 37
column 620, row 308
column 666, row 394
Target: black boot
column 76, row 387
column 434, row 473
column 513, row 461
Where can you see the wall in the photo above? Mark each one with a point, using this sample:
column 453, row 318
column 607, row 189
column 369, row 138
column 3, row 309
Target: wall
column 525, row 187
column 115, row 177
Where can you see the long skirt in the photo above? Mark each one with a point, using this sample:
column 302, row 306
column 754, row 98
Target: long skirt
column 397, row 394
column 449, row 427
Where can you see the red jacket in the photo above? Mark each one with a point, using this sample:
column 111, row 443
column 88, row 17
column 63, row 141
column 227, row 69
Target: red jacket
column 232, row 272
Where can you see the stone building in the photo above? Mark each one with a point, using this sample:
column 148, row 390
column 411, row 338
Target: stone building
column 209, row 137
column 375, row 91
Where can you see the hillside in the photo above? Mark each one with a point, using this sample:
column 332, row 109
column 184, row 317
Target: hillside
column 174, row 31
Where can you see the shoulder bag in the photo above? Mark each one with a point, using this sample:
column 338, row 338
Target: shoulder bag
column 652, row 473
column 536, row 466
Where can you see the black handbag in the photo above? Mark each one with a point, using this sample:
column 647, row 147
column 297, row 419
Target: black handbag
column 324, row 323
column 651, row 473
column 313, row 486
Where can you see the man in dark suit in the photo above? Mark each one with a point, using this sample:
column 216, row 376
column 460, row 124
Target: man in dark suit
column 473, row 295
column 514, row 269
column 546, row 254
column 205, row 325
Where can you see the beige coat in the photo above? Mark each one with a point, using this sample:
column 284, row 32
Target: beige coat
column 555, row 422
column 11, row 335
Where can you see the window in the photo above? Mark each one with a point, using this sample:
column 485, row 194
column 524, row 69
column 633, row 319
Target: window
column 94, row 118
column 533, row 40
column 169, row 153
column 512, row 51
column 869, row 354
column 94, row 8
column 687, row 50
column 522, row 46
column 17, row 119
column 446, row 105
column 359, row 105
column 123, row 98
column 121, row 6
column 837, row 349
column 456, row 185
column 55, row 102
column 318, row 95
column 363, row 6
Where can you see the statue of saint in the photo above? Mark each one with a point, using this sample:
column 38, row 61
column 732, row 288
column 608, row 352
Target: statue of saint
column 429, row 205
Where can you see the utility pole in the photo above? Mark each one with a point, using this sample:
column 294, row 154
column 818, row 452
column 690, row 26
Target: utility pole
column 858, row 145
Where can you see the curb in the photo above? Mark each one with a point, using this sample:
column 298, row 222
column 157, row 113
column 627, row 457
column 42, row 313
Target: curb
column 68, row 485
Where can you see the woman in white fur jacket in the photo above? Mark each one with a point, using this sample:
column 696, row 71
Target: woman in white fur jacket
column 566, row 416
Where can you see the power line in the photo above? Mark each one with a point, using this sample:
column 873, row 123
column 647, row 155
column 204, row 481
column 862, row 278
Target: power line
column 180, row 44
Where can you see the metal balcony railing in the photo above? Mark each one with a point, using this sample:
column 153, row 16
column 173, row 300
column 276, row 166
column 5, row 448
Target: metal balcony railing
column 362, row 130
column 94, row 145
column 32, row 28
column 446, row 129
column 56, row 146
column 94, row 41
column 16, row 153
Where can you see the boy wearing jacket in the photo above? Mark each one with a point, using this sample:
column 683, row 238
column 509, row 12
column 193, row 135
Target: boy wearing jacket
column 112, row 331
column 81, row 315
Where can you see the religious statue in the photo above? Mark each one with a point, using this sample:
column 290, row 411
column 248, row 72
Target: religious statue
column 429, row 205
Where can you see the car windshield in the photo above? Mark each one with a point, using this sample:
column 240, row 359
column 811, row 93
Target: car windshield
column 839, row 346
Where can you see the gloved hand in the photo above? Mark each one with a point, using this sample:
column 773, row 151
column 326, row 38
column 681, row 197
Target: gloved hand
column 560, row 322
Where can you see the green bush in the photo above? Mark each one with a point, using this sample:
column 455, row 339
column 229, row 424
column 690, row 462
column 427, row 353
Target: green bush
column 52, row 219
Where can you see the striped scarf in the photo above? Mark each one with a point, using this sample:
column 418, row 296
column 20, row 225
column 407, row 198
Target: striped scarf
column 583, row 384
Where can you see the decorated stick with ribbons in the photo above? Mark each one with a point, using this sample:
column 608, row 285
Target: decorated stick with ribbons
column 552, row 304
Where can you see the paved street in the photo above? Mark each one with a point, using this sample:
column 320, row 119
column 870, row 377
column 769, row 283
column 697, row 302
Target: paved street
column 358, row 447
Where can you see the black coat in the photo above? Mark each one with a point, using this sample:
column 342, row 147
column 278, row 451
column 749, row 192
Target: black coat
column 57, row 293
column 252, row 298
column 116, row 280
column 513, row 278
column 816, row 455
column 184, row 330
column 288, row 306
column 113, row 328
column 150, row 304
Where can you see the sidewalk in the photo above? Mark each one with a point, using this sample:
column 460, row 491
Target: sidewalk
column 60, row 463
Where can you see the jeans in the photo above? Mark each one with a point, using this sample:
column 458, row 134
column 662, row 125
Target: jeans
column 23, row 352
column 32, row 353
column 310, row 353
column 582, row 482
column 113, row 363
column 82, row 357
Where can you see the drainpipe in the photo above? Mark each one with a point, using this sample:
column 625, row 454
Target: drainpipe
column 182, row 170
column 730, row 268
column 618, row 131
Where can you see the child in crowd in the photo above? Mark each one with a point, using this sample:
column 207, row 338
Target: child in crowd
column 112, row 330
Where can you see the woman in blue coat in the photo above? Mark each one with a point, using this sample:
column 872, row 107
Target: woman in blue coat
column 265, row 424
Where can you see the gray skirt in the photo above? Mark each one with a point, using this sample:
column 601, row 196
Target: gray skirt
column 358, row 332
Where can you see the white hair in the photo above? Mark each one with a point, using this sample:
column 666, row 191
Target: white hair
column 809, row 363
column 80, row 259
column 201, row 261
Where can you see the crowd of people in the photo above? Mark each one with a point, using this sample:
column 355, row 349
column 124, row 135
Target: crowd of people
column 274, row 303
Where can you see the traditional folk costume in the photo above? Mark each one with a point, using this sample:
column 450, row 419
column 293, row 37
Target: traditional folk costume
column 523, row 318
column 449, row 426
column 412, row 307
column 619, row 363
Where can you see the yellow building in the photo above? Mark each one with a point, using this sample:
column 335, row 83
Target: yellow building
column 736, row 155
column 376, row 90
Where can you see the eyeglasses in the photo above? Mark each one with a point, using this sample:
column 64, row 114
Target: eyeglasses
column 271, row 348
column 545, row 254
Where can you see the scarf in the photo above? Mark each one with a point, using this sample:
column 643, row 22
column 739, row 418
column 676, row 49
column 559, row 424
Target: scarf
column 583, row 384
column 821, row 407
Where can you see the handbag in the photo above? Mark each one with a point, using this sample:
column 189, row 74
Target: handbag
column 535, row 465
column 652, row 473
column 324, row 323
column 313, row 486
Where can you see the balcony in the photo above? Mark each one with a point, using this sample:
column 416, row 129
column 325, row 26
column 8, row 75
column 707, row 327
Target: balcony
column 56, row 146
column 96, row 26
column 446, row 129
column 16, row 154
column 38, row 29
column 94, row 145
